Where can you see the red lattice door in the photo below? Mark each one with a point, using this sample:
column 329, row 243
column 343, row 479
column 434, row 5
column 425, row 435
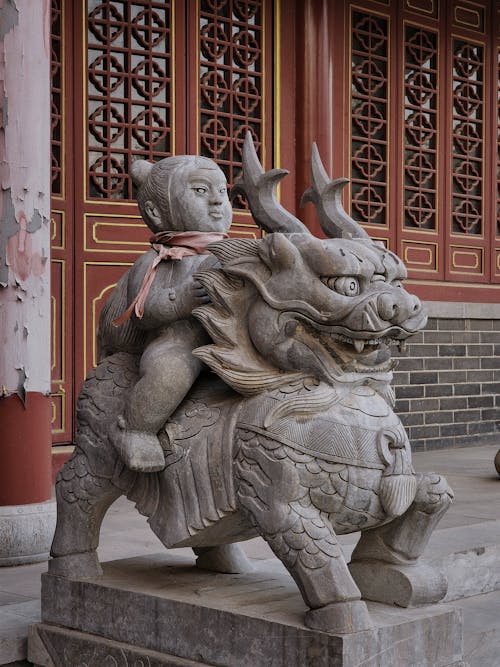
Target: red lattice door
column 423, row 134
column 139, row 79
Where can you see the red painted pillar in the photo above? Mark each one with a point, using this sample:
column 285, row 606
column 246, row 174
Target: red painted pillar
column 25, row 472
column 26, row 512
column 314, row 90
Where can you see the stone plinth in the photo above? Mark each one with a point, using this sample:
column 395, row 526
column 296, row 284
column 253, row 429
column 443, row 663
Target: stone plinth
column 162, row 610
column 26, row 532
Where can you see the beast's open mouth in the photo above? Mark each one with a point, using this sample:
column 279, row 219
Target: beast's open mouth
column 359, row 354
column 362, row 345
column 353, row 354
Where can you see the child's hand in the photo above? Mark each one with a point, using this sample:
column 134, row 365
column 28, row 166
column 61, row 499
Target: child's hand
column 199, row 293
column 192, row 296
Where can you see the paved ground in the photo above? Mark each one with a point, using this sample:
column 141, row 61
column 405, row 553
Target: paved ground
column 125, row 533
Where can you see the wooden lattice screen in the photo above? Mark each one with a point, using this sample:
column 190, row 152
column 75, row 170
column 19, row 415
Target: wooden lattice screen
column 423, row 82
column 139, row 79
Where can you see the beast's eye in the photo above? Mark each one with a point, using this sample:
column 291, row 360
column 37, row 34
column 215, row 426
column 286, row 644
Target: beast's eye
column 345, row 285
column 200, row 189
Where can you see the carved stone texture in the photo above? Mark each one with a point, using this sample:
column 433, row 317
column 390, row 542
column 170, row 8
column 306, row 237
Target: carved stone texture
column 293, row 434
column 26, row 532
column 161, row 605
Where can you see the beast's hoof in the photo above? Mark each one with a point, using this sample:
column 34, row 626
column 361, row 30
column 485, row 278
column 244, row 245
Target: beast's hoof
column 340, row 618
column 139, row 450
column 402, row 585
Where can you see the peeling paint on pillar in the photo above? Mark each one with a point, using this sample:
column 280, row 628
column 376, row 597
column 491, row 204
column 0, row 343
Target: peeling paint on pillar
column 25, row 305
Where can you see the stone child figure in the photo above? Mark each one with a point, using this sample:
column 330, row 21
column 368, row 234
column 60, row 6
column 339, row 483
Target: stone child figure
column 184, row 201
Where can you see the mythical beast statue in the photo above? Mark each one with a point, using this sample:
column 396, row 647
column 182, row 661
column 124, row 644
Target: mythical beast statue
column 293, row 434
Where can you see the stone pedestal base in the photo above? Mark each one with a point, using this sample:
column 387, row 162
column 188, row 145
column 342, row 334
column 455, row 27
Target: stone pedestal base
column 26, row 532
column 162, row 611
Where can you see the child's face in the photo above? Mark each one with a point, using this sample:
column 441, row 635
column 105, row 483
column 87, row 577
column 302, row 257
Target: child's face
column 204, row 203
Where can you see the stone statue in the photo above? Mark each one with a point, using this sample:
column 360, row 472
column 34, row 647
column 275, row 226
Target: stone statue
column 176, row 195
column 292, row 436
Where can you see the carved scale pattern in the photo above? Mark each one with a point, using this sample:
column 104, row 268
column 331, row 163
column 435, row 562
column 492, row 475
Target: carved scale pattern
column 231, row 79
column 420, row 129
column 467, row 137
column 129, row 91
column 56, row 98
column 369, row 117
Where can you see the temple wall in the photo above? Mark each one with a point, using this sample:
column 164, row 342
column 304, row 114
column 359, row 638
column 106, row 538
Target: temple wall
column 448, row 380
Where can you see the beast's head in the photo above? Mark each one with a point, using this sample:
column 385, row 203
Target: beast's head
column 324, row 308
column 335, row 300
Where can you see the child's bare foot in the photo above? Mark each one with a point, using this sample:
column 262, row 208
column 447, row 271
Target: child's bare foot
column 139, row 450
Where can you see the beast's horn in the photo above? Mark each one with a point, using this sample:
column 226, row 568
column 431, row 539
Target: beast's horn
column 259, row 188
column 325, row 194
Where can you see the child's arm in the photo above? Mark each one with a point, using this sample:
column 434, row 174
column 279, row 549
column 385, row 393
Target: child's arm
column 168, row 299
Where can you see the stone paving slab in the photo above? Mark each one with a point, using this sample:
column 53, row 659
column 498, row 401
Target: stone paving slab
column 15, row 621
column 482, row 638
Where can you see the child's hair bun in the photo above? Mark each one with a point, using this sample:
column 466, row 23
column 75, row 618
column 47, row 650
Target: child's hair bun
column 139, row 171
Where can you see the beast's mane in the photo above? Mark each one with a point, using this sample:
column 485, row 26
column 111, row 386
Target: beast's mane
column 232, row 355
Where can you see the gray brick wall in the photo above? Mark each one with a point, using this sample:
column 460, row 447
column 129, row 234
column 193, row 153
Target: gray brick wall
column 447, row 382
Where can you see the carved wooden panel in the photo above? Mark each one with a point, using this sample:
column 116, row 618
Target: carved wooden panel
column 231, row 44
column 57, row 86
column 233, row 93
column 420, row 128
column 498, row 146
column 426, row 8
column 470, row 15
column 61, row 232
column 420, row 179
column 60, row 391
column 469, row 221
column 496, row 258
column 370, row 113
column 467, row 137
column 129, row 91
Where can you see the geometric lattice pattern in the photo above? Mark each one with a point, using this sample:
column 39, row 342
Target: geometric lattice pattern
column 129, row 91
column 467, row 137
column 231, row 79
column 369, row 147
column 420, row 129
column 498, row 140
column 56, row 98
